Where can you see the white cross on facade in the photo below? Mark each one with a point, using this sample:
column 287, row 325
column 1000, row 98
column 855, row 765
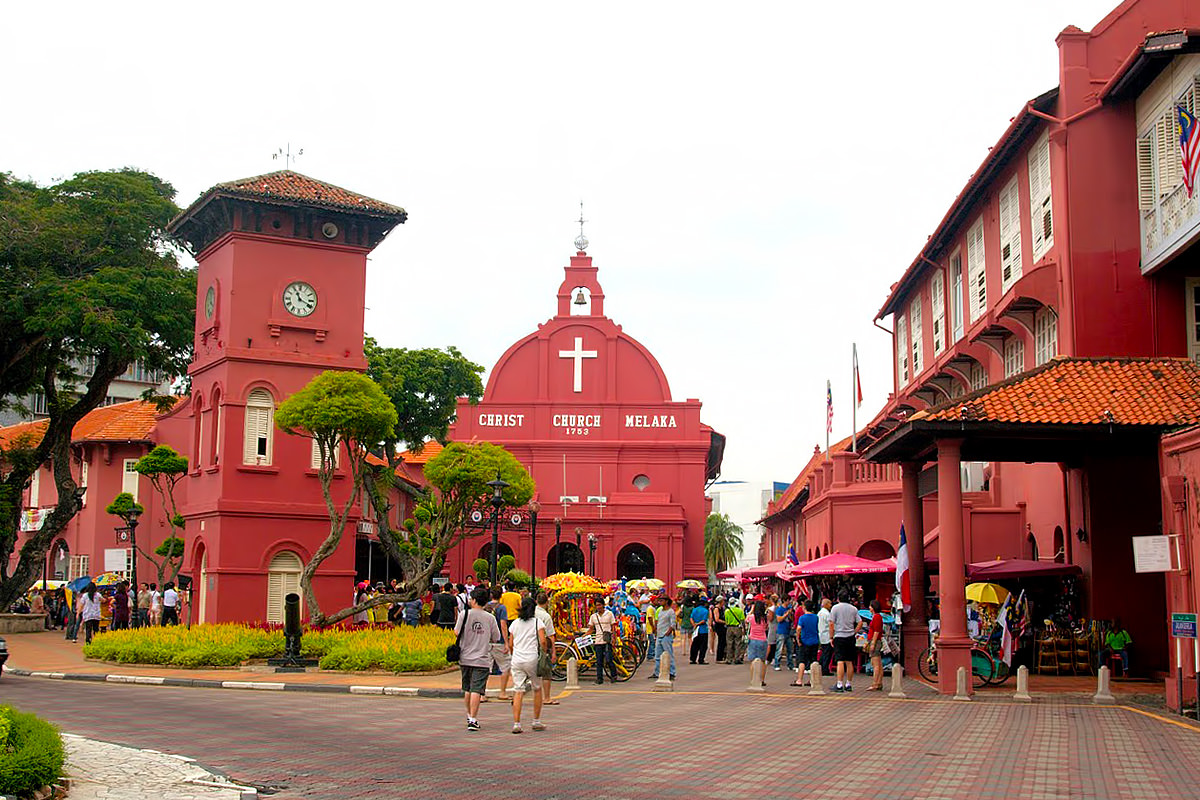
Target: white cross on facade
column 579, row 354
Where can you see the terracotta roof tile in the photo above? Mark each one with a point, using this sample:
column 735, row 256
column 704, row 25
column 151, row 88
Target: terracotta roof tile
column 122, row 422
column 431, row 449
column 289, row 185
column 1161, row 392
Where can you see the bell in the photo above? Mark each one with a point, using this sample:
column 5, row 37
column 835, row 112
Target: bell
column 580, row 300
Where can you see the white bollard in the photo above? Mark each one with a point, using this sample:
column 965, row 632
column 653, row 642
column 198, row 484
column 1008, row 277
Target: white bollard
column 960, row 685
column 664, row 684
column 897, row 691
column 1022, row 695
column 1103, row 694
column 756, row 676
column 814, row 675
column 572, row 674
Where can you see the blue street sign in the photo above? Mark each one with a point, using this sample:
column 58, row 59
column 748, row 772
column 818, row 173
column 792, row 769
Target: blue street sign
column 1183, row 626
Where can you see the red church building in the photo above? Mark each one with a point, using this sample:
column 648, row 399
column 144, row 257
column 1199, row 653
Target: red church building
column 620, row 467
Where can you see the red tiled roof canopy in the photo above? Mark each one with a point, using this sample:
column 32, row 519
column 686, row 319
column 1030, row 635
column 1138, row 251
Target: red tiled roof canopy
column 1162, row 392
column 122, row 422
column 288, row 185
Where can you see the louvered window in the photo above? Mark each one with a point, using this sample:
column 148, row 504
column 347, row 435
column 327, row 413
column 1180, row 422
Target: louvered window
column 283, row 578
column 979, row 378
column 316, row 455
column 956, row 295
column 83, row 480
column 976, row 271
column 79, row 566
column 1014, row 356
column 1168, row 215
column 917, row 332
column 1041, row 218
column 129, row 478
column 1045, row 336
column 1010, row 235
column 258, row 443
column 938, row 300
column 902, row 349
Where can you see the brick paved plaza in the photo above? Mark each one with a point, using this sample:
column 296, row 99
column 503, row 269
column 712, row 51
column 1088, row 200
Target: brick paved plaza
column 707, row 739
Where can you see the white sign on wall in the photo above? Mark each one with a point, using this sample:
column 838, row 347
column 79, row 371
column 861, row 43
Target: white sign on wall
column 1152, row 554
column 115, row 559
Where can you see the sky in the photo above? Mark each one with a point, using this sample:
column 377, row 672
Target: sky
column 754, row 176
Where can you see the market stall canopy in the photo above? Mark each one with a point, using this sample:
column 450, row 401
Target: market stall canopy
column 768, row 570
column 837, row 564
column 734, row 574
column 1019, row 568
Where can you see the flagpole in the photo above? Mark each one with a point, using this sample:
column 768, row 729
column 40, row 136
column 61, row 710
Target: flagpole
column 828, row 412
column 854, row 400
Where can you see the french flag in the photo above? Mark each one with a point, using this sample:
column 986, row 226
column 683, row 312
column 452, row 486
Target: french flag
column 902, row 583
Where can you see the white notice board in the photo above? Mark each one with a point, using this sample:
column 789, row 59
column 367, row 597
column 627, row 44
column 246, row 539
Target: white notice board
column 1152, row 554
column 115, row 559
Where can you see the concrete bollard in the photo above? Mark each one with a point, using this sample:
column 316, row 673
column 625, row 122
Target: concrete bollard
column 664, row 684
column 1022, row 695
column 572, row 674
column 756, row 676
column 897, row 691
column 814, row 675
column 1103, row 694
column 960, row 685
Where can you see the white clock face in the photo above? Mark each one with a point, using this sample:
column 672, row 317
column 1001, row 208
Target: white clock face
column 300, row 299
column 210, row 302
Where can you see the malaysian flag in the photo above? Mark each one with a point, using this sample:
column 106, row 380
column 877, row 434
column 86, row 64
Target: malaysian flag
column 828, row 407
column 791, row 560
column 1189, row 145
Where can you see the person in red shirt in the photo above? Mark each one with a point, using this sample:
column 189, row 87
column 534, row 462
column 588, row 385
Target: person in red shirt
column 875, row 646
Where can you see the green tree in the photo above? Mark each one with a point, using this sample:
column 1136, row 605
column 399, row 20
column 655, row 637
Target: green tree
column 722, row 544
column 165, row 468
column 345, row 413
column 89, row 282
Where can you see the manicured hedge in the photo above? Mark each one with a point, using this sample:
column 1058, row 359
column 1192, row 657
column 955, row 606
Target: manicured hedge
column 393, row 649
column 31, row 752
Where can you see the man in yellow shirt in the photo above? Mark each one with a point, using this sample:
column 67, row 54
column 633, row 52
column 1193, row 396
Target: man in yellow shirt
column 511, row 600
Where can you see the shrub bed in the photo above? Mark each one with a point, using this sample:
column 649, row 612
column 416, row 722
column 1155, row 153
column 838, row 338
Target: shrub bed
column 31, row 753
column 383, row 647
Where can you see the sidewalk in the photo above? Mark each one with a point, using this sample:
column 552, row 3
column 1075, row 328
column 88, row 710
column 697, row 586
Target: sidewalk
column 103, row 771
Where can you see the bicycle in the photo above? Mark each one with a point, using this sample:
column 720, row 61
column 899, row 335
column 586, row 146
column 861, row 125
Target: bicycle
column 983, row 666
column 625, row 660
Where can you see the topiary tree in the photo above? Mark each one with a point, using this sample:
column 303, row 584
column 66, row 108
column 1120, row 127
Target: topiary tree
column 165, row 468
column 504, row 565
column 344, row 413
column 518, row 577
column 481, row 568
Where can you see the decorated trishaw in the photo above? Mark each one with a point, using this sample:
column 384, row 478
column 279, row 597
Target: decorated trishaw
column 572, row 599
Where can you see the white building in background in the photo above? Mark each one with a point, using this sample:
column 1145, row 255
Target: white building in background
column 128, row 386
column 746, row 503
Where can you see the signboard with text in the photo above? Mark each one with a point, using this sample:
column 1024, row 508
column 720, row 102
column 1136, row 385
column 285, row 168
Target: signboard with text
column 1152, row 554
column 1183, row 626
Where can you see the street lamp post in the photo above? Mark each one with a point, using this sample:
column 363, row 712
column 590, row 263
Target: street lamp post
column 131, row 522
column 498, row 487
column 534, row 508
column 592, row 548
column 557, row 545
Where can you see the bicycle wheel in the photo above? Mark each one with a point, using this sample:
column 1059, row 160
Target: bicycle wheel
column 1001, row 672
column 927, row 665
column 982, row 667
column 625, row 661
column 558, row 665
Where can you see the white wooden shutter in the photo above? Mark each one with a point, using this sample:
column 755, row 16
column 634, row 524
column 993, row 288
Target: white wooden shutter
column 129, row 482
column 1010, row 235
column 938, row 300
column 83, row 480
column 902, row 348
column 1170, row 165
column 956, row 295
column 1145, row 168
column 257, row 437
column 1014, row 356
column 35, row 487
column 917, row 332
column 316, row 455
column 976, row 271
column 275, row 597
column 1040, row 216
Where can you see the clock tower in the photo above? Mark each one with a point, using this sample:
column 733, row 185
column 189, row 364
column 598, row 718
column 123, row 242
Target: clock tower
column 281, row 286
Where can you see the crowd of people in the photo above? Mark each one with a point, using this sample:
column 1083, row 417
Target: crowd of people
column 118, row 605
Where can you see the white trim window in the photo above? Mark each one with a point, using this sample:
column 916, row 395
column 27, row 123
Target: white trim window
column 937, row 299
column 1045, row 335
column 1014, row 356
column 258, row 436
column 337, row 456
column 917, row 331
column 1169, row 217
column 902, row 349
column 1010, row 235
column 83, row 480
column 129, row 477
column 1191, row 302
column 956, row 296
column 35, row 488
column 978, row 375
column 1041, row 217
column 79, row 566
column 976, row 270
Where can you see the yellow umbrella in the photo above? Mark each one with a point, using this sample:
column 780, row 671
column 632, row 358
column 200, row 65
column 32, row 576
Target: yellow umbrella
column 690, row 583
column 645, row 584
column 986, row 593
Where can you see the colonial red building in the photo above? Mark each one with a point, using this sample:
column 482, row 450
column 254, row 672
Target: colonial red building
column 620, row 467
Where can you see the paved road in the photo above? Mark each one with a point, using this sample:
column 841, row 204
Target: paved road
column 624, row 742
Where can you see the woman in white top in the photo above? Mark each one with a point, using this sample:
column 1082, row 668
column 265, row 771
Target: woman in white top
column 89, row 612
column 526, row 635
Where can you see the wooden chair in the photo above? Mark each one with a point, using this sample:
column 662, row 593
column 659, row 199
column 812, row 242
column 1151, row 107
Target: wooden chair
column 1047, row 651
column 1064, row 645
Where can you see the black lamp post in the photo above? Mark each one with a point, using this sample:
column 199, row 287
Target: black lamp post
column 534, row 508
column 592, row 548
column 131, row 522
column 557, row 545
column 498, row 487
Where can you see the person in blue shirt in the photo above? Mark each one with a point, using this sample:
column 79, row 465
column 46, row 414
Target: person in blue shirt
column 785, row 618
column 700, row 616
column 808, row 632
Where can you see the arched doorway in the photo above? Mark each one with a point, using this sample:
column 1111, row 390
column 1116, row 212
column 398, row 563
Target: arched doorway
column 283, row 578
column 826, row 549
column 635, row 561
column 502, row 549
column 876, row 550
column 1060, row 545
column 572, row 558
column 60, row 560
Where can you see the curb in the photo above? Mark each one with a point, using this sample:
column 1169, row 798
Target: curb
column 269, row 686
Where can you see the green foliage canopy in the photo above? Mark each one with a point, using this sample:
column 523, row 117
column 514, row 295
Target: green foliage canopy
column 722, row 543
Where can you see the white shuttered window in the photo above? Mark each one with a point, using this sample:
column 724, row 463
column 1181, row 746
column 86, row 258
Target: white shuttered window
column 283, row 578
column 938, row 300
column 1041, row 219
column 976, row 271
column 917, row 332
column 902, row 349
column 1045, row 336
column 1010, row 235
column 129, row 478
column 1014, row 356
column 258, row 438
column 956, row 296
column 35, row 487
column 316, row 455
column 979, row 378
column 83, row 479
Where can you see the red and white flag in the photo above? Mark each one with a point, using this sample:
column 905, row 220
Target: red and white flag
column 903, row 585
column 857, row 381
column 828, row 408
column 1006, row 637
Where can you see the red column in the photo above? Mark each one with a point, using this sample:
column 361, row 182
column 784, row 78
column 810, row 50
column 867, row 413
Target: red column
column 915, row 631
column 953, row 642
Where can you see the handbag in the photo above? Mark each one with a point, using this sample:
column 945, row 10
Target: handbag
column 543, row 664
column 453, row 651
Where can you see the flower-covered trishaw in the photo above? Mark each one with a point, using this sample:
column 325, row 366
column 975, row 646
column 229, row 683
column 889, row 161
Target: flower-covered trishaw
column 572, row 600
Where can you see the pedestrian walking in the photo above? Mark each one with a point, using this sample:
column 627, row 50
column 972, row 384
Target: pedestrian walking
column 875, row 646
column 785, row 635
column 445, row 609
column 477, row 630
column 719, row 629
column 155, row 605
column 844, row 624
column 665, row 626
column 651, row 606
column 143, row 606
column 759, row 625
column 170, row 604
column 526, row 638
column 809, row 640
column 120, row 607
column 501, row 654
column 772, row 631
column 543, row 613
column 825, row 646
column 601, row 624
column 89, row 612
column 700, row 621
column 735, row 633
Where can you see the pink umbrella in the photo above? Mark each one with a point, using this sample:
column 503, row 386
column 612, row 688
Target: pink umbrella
column 837, row 564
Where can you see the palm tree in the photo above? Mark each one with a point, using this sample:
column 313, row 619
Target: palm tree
column 722, row 544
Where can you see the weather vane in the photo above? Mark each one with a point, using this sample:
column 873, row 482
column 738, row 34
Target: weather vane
column 287, row 155
column 581, row 242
